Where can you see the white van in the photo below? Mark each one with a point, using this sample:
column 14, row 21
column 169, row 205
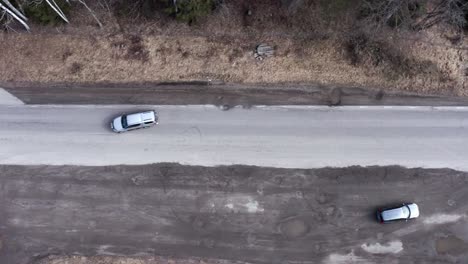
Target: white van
column 134, row 121
column 404, row 212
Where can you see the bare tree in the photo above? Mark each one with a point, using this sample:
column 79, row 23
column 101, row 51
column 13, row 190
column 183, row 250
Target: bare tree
column 6, row 19
column 91, row 12
column 13, row 13
column 394, row 13
column 57, row 9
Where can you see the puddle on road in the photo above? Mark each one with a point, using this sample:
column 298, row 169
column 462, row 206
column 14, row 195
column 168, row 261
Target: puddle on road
column 451, row 245
column 294, row 228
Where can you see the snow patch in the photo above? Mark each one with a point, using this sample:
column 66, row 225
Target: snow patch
column 345, row 259
column 238, row 203
column 252, row 207
column 7, row 98
column 439, row 219
column 377, row 248
column 104, row 250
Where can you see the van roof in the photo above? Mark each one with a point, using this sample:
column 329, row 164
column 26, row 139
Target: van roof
column 397, row 213
column 401, row 212
column 142, row 117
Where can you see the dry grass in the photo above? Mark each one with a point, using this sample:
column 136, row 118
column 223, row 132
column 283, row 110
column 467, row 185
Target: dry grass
column 308, row 49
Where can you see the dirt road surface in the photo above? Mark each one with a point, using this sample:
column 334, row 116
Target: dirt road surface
column 252, row 214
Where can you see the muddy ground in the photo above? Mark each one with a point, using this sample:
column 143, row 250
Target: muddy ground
column 130, row 260
column 237, row 213
column 226, row 95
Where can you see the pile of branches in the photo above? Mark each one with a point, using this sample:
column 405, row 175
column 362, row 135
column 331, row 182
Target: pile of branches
column 415, row 14
column 452, row 12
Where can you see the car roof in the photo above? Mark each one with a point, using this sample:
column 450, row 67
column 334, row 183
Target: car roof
column 395, row 213
column 138, row 118
column 401, row 212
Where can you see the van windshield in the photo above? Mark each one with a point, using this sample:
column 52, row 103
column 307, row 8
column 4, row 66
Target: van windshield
column 124, row 121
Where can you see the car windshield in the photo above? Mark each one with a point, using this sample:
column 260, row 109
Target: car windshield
column 406, row 211
column 124, row 121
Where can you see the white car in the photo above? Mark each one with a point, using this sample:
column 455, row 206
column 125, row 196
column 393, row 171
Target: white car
column 134, row 121
column 402, row 212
